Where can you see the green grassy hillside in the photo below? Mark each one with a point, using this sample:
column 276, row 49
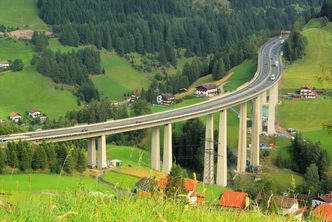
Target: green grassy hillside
column 119, row 77
column 28, row 89
column 309, row 115
column 21, row 14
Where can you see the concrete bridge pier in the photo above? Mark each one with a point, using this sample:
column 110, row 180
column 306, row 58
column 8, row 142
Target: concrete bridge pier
column 242, row 143
column 273, row 100
column 102, row 152
column 155, row 148
column 264, row 98
column 92, row 151
column 222, row 150
column 167, row 155
column 256, row 127
column 209, row 151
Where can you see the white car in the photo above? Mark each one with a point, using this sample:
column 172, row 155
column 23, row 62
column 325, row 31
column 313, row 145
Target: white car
column 272, row 77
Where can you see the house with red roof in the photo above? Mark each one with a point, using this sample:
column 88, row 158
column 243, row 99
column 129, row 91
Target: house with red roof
column 323, row 212
column 15, row 117
column 234, row 199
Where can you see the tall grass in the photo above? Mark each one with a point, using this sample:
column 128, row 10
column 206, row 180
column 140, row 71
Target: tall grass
column 81, row 205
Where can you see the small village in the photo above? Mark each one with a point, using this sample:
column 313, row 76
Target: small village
column 174, row 185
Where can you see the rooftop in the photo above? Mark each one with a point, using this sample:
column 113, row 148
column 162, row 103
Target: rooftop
column 208, row 86
column 323, row 211
column 232, row 199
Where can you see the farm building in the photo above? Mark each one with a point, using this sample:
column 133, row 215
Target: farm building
column 4, row 65
column 34, row 113
column 15, row 117
column 207, row 90
column 165, row 99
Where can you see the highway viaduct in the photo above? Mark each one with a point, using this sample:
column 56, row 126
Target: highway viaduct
column 264, row 85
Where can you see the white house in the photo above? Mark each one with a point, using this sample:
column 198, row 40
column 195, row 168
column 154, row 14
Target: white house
column 4, row 64
column 113, row 163
column 34, row 113
column 324, row 198
column 207, row 90
column 15, row 117
column 307, row 92
column 165, row 99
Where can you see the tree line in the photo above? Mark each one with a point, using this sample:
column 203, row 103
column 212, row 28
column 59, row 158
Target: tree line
column 158, row 26
column 50, row 157
column 327, row 9
column 72, row 68
column 310, row 160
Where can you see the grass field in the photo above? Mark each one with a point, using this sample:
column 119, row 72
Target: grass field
column 47, row 182
column 79, row 206
column 316, row 63
column 282, row 178
column 21, row 14
column 28, row 89
column 129, row 155
column 119, row 78
column 307, row 116
column 242, row 74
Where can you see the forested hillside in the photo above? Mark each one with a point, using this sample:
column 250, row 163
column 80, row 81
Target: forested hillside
column 143, row 26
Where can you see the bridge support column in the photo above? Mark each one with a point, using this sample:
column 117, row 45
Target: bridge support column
column 256, row 126
column 222, row 150
column 242, row 144
column 167, row 156
column 264, row 98
column 209, row 151
column 273, row 99
column 155, row 148
column 102, row 152
column 92, row 151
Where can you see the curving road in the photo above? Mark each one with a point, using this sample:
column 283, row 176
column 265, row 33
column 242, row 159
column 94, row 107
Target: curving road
column 269, row 53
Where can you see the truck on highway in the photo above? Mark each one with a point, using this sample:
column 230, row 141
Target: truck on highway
column 276, row 64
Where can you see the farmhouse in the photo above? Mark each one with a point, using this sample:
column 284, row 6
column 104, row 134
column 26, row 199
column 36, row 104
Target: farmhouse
column 4, row 65
column 207, row 90
column 135, row 96
column 15, row 117
column 322, row 199
column 34, row 113
column 165, row 99
column 307, row 92
column 234, row 199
